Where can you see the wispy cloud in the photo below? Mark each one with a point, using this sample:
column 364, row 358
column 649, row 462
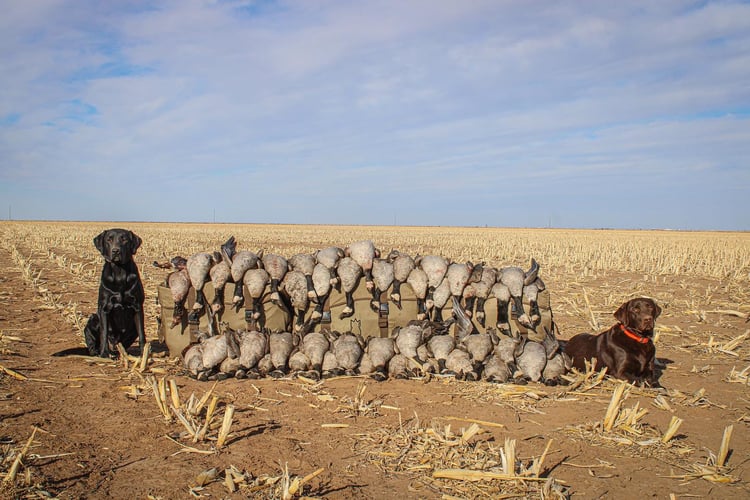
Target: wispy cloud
column 478, row 112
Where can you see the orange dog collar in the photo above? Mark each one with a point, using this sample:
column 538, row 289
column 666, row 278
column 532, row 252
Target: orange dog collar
column 635, row 336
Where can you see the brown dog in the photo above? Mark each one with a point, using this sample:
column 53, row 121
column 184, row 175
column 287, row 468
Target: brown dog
column 626, row 349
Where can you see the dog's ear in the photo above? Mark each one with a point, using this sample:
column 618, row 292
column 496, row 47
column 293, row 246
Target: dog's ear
column 99, row 242
column 657, row 309
column 135, row 242
column 622, row 313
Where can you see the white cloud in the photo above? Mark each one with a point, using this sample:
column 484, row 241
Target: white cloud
column 374, row 102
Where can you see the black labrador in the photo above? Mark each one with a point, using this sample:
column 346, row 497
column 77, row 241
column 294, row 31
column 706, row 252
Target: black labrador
column 119, row 316
column 627, row 348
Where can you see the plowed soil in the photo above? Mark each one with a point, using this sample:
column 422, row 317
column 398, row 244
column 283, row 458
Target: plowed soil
column 101, row 433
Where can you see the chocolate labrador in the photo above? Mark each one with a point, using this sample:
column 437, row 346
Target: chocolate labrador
column 119, row 316
column 627, row 348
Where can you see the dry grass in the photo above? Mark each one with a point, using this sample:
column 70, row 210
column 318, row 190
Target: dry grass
column 651, row 252
column 589, row 273
column 568, row 258
column 463, row 462
column 284, row 486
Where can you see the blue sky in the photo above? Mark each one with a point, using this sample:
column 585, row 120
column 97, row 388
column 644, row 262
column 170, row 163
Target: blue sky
column 501, row 113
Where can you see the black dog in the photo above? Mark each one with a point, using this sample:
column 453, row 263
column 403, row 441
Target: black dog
column 626, row 349
column 119, row 316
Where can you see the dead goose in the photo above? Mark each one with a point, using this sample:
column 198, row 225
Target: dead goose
column 330, row 366
column 430, row 366
column 440, row 298
column 178, row 282
column 211, row 351
column 382, row 276
column 299, row 363
column 418, row 282
column 531, row 294
column 322, row 285
column 479, row 291
column 281, row 345
column 559, row 365
column 232, row 339
column 458, row 363
column 366, row 367
column 315, row 345
column 363, row 253
column 220, row 275
column 221, row 272
column 435, row 268
column 347, row 348
column 215, row 349
column 428, row 363
column 305, row 263
column 399, row 366
column 408, row 339
column 199, row 266
column 478, row 345
column 242, row 262
column 502, row 295
column 509, row 348
column 532, row 361
column 277, row 267
column 380, row 350
column 349, row 272
column 253, row 346
column 265, row 365
column 515, row 279
column 295, row 287
column 330, row 258
column 496, row 370
column 192, row 360
column 403, row 265
column 440, row 346
column 459, row 275
column 228, row 368
column 256, row 280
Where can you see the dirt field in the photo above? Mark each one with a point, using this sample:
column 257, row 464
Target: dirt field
column 102, row 434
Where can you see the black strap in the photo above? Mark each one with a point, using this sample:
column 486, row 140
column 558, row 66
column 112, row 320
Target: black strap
column 192, row 326
column 383, row 315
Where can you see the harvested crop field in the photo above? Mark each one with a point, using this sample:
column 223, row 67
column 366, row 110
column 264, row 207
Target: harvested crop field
column 77, row 427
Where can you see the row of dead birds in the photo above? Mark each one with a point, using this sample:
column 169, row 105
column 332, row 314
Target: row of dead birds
column 421, row 347
column 306, row 279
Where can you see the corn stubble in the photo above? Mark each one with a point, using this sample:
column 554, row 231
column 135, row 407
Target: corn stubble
column 454, row 458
